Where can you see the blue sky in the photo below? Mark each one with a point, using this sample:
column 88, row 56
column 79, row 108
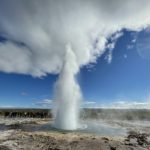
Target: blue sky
column 126, row 78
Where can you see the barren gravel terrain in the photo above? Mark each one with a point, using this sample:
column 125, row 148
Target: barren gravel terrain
column 25, row 134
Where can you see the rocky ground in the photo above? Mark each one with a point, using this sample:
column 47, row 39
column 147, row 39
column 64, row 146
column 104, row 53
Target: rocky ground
column 16, row 137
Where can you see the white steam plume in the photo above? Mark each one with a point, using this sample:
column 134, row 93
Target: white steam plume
column 37, row 31
column 67, row 94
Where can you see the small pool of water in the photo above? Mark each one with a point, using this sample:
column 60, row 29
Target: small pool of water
column 98, row 127
column 92, row 127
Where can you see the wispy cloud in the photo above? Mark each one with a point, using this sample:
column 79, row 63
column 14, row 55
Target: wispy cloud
column 125, row 56
column 24, row 93
column 142, row 45
column 120, row 103
column 7, row 106
column 131, row 105
column 111, row 46
column 132, row 43
column 89, row 102
column 44, row 103
column 140, row 41
column 125, row 105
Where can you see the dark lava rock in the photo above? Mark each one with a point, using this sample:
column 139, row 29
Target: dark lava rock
column 2, row 147
column 136, row 138
column 112, row 148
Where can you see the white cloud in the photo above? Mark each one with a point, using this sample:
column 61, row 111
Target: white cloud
column 110, row 46
column 37, row 31
column 125, row 104
column 7, row 106
column 133, row 42
column 24, row 93
column 130, row 46
column 109, row 57
column 44, row 103
column 131, row 105
column 120, row 104
column 89, row 102
column 142, row 44
column 125, row 56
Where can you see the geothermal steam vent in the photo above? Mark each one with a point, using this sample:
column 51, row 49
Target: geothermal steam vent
column 67, row 94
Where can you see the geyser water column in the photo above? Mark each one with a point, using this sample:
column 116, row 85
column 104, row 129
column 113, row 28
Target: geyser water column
column 67, row 94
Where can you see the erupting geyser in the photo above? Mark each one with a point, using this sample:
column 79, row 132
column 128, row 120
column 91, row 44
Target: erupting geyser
column 67, row 94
